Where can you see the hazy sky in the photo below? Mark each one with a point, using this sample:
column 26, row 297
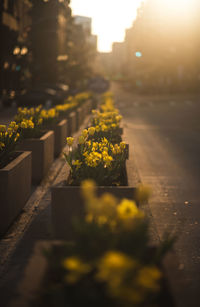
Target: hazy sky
column 110, row 18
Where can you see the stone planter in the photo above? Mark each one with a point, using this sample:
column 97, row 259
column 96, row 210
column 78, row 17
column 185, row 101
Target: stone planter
column 37, row 275
column 121, row 130
column 127, row 151
column 60, row 133
column 15, row 188
column 79, row 117
column 89, row 106
column 71, row 124
column 67, row 203
column 85, row 110
column 42, row 154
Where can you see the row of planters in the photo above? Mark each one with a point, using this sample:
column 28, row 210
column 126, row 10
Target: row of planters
column 28, row 147
column 105, row 258
column 100, row 155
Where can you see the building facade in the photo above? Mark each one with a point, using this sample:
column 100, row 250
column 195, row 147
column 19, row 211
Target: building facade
column 49, row 40
column 15, row 22
column 86, row 23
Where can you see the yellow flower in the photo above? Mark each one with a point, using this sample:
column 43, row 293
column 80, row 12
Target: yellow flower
column 16, row 127
column 16, row 138
column 107, row 159
column 93, row 159
column 127, row 209
column 77, row 163
column 81, row 139
column 23, row 125
column 89, row 218
column 105, row 149
column 91, row 130
column 108, row 205
column 88, row 188
column 143, row 193
column 76, row 268
column 104, row 128
column 85, row 133
column 30, row 124
column 2, row 145
column 40, row 121
column 113, row 267
column 2, row 128
column 122, row 145
column 149, row 277
column 37, row 110
column 70, row 141
column 101, row 220
column 94, row 146
column 52, row 113
column 10, row 131
column 104, row 153
column 118, row 118
column 12, row 124
column 43, row 113
column 97, row 128
column 117, row 149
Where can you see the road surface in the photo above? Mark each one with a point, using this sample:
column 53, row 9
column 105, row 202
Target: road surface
column 164, row 132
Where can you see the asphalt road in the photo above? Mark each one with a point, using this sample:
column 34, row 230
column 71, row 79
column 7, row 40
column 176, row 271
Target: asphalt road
column 164, row 133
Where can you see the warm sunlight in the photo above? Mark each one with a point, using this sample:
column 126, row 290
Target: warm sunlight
column 176, row 8
column 178, row 4
column 110, row 18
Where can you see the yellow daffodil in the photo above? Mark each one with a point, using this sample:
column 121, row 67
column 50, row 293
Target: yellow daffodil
column 77, row 163
column 88, row 188
column 85, row 133
column 81, row 139
column 2, row 128
column 122, row 145
column 97, row 128
column 127, row 209
column 2, row 145
column 112, row 268
column 91, row 130
column 23, row 125
column 76, row 268
column 70, row 141
column 149, row 278
column 143, row 193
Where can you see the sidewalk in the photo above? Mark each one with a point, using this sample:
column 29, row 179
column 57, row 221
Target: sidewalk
column 33, row 224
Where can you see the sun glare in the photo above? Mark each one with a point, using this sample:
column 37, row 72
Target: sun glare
column 178, row 8
column 110, row 18
column 178, row 4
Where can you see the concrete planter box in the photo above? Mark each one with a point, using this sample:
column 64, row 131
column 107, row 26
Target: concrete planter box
column 37, row 273
column 42, row 154
column 67, row 203
column 60, row 133
column 71, row 124
column 85, row 109
column 89, row 106
column 79, row 117
column 127, row 151
column 15, row 188
column 121, row 130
